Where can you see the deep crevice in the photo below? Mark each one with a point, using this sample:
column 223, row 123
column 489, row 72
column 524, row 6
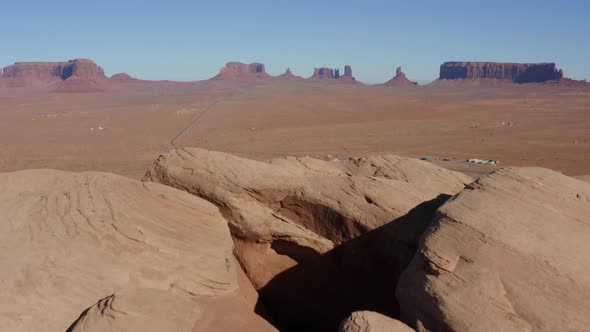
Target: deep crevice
column 359, row 274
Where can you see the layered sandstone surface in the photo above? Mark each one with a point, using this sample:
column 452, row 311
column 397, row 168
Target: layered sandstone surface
column 139, row 256
column 508, row 253
column 307, row 228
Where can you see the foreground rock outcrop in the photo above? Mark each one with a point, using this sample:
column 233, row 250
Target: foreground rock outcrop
column 368, row 321
column 515, row 72
column 306, row 228
column 139, row 256
column 400, row 79
column 241, row 71
column 509, row 253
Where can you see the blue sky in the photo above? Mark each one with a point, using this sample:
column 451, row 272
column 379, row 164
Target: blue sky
column 191, row 40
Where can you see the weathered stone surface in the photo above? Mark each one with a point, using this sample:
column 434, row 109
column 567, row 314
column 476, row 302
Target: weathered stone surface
column 295, row 223
column 400, row 79
column 160, row 259
column 516, row 72
column 508, row 253
column 242, row 71
column 368, row 321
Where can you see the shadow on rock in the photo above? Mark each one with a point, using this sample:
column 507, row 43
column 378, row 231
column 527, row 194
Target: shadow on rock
column 360, row 274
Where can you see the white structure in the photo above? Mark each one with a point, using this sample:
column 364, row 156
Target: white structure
column 489, row 162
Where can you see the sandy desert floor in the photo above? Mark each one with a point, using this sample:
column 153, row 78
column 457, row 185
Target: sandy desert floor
column 125, row 129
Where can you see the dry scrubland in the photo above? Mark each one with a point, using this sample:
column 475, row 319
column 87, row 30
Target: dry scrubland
column 123, row 129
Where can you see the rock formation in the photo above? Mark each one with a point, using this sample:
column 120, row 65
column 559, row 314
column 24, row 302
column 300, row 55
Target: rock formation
column 78, row 68
column 293, row 220
column 400, row 79
column 368, row 321
column 515, row 72
column 123, row 77
column 324, row 73
column 79, row 75
column 242, row 71
column 348, row 71
column 139, row 256
column 509, row 253
column 288, row 75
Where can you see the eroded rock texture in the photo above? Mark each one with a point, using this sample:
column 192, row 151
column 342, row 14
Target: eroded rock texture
column 338, row 232
column 139, row 256
column 509, row 253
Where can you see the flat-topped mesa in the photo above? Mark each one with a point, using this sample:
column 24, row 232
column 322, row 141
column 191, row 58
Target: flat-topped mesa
column 515, row 72
column 400, row 79
column 241, row 71
column 77, row 68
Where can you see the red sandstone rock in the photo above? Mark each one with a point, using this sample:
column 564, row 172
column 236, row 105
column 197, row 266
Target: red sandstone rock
column 516, row 72
column 400, row 79
column 242, row 71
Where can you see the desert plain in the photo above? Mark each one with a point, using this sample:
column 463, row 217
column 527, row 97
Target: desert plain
column 121, row 130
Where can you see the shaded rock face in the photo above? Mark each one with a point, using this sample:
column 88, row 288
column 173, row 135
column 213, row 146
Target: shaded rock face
column 242, row 71
column 508, row 253
column 139, row 256
column 306, row 229
column 400, row 79
column 368, row 321
column 81, row 68
column 516, row 72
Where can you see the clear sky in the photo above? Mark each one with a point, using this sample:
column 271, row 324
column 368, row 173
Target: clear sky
column 191, row 40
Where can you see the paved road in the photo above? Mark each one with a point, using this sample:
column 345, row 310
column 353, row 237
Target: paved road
column 193, row 122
